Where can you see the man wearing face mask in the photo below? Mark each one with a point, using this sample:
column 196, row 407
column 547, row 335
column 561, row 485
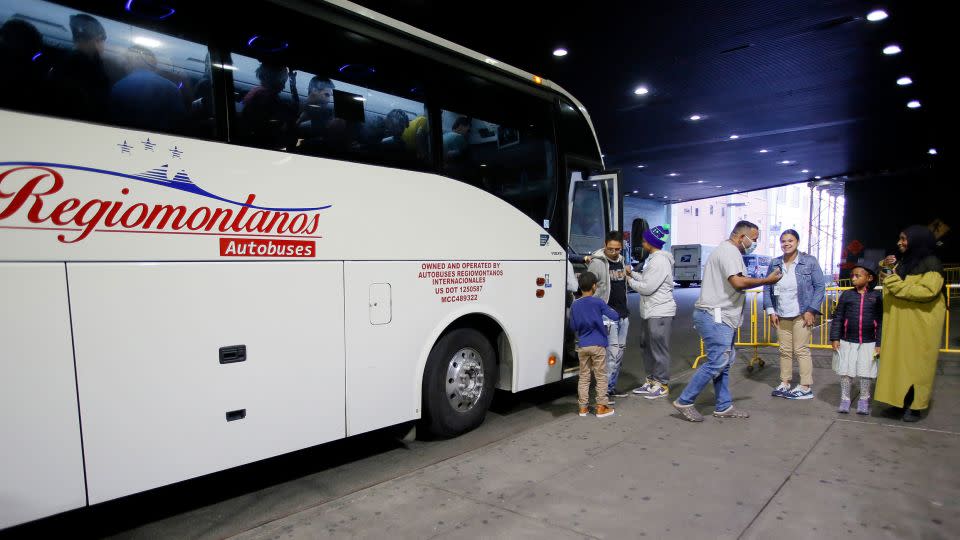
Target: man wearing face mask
column 717, row 315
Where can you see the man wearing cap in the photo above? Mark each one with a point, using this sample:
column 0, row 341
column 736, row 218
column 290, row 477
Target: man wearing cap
column 657, row 309
column 81, row 84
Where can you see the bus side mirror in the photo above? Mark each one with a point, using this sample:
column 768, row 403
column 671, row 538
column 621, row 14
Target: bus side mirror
column 637, row 229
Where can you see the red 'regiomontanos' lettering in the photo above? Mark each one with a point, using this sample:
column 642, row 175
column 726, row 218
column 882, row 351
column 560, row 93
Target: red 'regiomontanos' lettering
column 32, row 193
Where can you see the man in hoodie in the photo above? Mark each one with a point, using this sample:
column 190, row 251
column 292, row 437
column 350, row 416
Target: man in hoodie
column 657, row 309
column 610, row 268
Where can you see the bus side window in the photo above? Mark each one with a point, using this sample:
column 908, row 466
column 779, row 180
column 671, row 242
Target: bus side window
column 322, row 91
column 94, row 67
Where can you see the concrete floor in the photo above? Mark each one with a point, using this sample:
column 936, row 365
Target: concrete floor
column 537, row 470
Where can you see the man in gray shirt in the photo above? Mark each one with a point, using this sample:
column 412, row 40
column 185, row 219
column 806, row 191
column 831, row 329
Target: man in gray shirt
column 717, row 315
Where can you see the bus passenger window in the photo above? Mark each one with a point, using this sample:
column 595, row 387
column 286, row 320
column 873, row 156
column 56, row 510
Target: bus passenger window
column 513, row 163
column 56, row 60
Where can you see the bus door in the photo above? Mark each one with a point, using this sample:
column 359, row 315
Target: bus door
column 594, row 209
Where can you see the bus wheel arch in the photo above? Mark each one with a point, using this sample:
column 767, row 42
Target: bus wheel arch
column 461, row 373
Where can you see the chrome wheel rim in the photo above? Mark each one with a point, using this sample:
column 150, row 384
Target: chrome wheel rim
column 464, row 382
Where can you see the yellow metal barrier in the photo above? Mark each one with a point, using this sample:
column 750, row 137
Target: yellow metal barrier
column 760, row 329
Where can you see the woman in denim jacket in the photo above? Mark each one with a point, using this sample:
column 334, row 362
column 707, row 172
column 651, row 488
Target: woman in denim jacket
column 793, row 305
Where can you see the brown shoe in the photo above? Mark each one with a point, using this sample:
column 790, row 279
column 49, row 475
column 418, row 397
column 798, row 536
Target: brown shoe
column 603, row 410
column 584, row 410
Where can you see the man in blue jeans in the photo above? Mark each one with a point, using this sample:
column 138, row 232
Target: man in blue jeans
column 717, row 315
column 609, row 266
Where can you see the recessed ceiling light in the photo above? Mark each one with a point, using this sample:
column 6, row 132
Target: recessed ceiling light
column 786, row 162
column 636, row 191
column 904, row 81
column 651, row 194
column 699, row 181
column 664, row 196
column 890, row 50
column 717, row 186
column 673, row 174
column 877, row 16
column 641, row 166
column 641, row 91
column 913, row 104
column 805, row 171
column 560, row 52
column 734, row 136
column 818, row 177
column 696, row 117
column 932, row 151
column 763, row 150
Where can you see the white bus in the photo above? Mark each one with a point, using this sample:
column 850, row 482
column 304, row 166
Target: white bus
column 206, row 260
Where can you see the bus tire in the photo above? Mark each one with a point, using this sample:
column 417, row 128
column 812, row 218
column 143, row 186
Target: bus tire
column 458, row 383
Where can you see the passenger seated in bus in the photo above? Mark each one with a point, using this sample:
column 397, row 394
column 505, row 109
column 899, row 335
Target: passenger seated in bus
column 201, row 106
column 394, row 125
column 268, row 119
column 20, row 44
column 416, row 137
column 80, row 82
column 144, row 98
column 455, row 142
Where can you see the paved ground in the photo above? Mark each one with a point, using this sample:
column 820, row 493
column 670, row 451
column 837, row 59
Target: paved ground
column 537, row 470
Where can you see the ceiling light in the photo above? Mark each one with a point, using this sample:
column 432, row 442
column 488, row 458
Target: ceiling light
column 786, row 162
column 641, row 91
column 651, row 194
column 641, row 166
column 763, row 150
column 904, row 81
column 699, row 181
column 664, row 196
column 734, row 137
column 718, row 186
column 636, row 191
column 892, row 49
column 146, row 42
column 695, row 117
column 560, row 52
column 913, row 104
column 877, row 16
column 817, row 177
column 932, row 151
column 805, row 171
column 673, row 174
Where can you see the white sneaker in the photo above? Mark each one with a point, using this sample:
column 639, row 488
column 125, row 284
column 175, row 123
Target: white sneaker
column 781, row 391
column 645, row 389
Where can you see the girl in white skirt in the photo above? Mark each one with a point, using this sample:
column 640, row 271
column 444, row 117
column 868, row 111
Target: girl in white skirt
column 855, row 335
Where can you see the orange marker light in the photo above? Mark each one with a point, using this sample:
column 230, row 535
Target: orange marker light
column 552, row 360
column 537, row 79
column 540, row 293
column 540, row 281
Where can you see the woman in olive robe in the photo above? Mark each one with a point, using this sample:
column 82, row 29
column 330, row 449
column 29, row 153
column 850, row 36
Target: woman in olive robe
column 914, row 307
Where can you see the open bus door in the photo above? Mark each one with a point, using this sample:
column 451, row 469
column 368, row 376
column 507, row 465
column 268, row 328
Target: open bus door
column 595, row 207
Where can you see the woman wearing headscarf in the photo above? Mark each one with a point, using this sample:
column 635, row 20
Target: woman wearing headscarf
column 913, row 313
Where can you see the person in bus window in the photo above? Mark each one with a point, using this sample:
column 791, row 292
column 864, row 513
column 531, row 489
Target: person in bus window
column 20, row 44
column 144, row 98
column 394, row 125
column 80, row 81
column 317, row 113
column 455, row 142
column 269, row 119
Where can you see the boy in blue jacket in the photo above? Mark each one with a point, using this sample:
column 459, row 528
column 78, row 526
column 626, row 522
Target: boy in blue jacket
column 586, row 319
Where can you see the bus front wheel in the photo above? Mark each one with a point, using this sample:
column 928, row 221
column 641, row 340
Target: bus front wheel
column 458, row 383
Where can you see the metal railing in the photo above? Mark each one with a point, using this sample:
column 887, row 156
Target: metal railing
column 759, row 330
